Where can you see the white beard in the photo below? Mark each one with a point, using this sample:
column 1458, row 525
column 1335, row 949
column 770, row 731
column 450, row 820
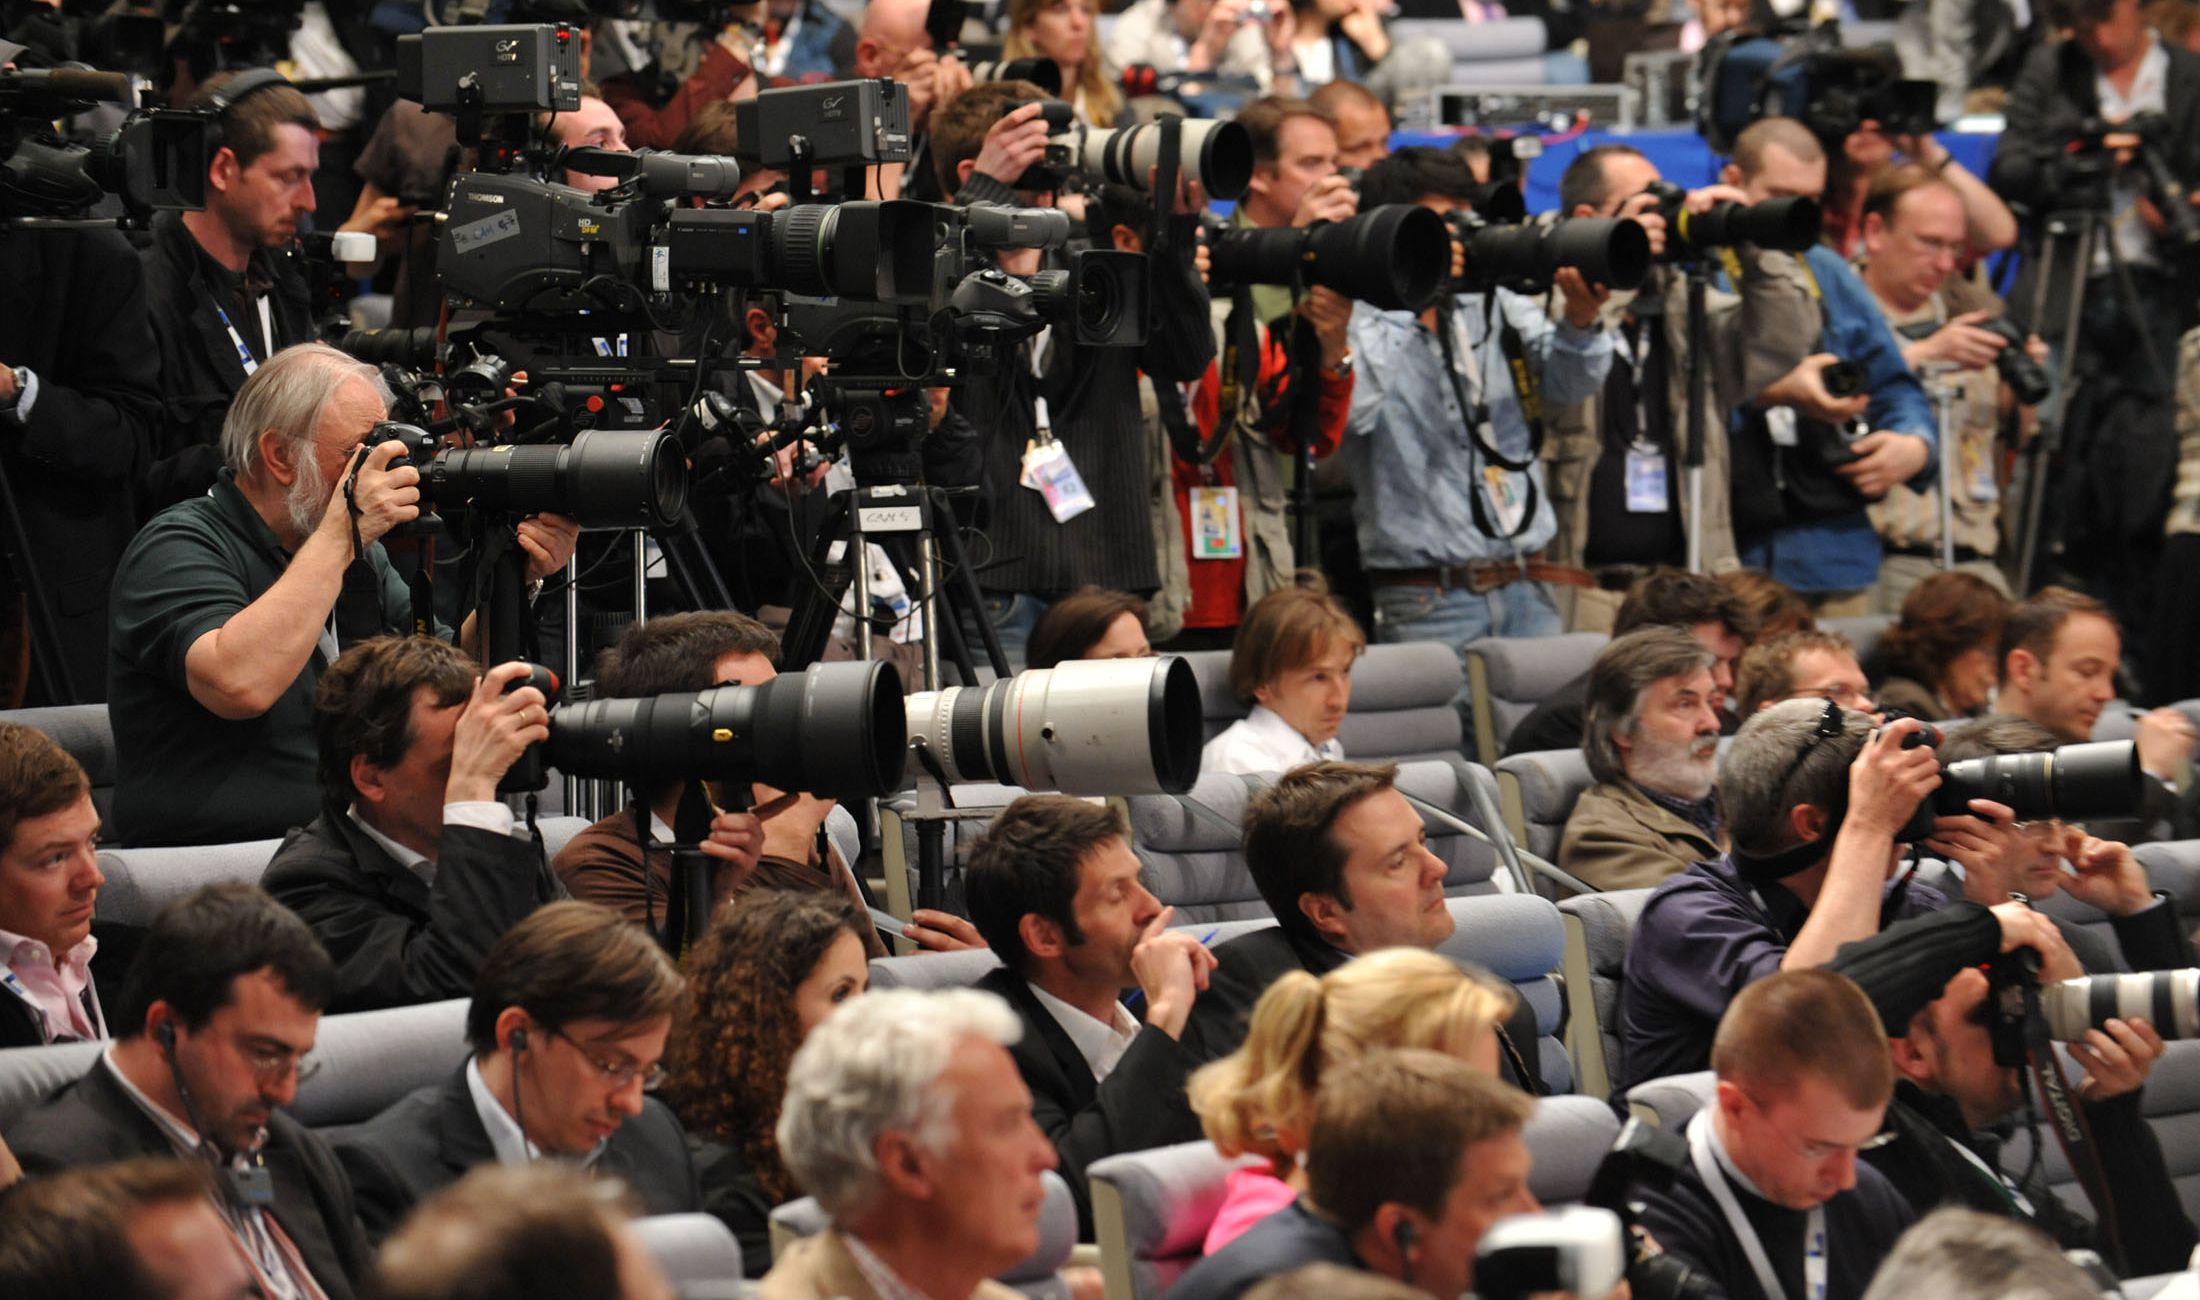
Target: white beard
column 1678, row 771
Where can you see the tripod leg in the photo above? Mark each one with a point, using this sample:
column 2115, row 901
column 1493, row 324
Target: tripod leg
column 965, row 585
column 47, row 659
column 811, row 624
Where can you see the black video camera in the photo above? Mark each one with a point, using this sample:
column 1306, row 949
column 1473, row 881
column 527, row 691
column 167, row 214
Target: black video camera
column 1809, row 76
column 508, row 68
column 154, row 162
column 2089, row 170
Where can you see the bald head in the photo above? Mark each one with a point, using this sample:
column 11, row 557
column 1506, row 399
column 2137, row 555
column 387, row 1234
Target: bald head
column 891, row 29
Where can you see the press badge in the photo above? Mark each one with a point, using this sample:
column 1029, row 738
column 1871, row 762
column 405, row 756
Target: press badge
column 1978, row 473
column 1050, row 472
column 1505, row 497
column 1646, row 488
column 1780, row 423
column 1216, row 531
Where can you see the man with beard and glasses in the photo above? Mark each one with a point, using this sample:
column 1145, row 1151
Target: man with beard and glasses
column 228, row 607
column 1652, row 741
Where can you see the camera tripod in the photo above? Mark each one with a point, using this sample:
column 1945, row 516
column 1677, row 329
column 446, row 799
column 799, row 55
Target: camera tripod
column 2089, row 230
column 49, row 665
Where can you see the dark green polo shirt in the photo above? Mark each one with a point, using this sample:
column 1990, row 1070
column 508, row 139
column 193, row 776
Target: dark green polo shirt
column 182, row 775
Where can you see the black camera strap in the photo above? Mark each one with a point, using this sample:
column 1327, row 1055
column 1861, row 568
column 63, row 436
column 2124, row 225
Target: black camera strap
column 1476, row 414
column 2071, row 1129
column 1237, row 373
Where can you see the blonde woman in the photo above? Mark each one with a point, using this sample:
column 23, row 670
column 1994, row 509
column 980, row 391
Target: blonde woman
column 1066, row 31
column 1260, row 1098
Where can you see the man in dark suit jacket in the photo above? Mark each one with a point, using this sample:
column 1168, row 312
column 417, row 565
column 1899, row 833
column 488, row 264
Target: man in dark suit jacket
column 568, row 1023
column 1054, row 889
column 411, row 871
column 49, row 878
column 217, row 1020
column 1341, row 858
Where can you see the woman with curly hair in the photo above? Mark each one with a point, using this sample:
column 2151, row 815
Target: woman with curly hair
column 1937, row 661
column 767, row 973
column 1260, row 1098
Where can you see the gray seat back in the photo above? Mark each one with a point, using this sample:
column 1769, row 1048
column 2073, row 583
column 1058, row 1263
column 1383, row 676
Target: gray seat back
column 85, row 732
column 1862, row 630
column 1537, row 792
column 1598, row 927
column 1471, row 866
column 1508, row 676
column 140, row 882
column 1404, row 704
column 960, row 970
column 1193, row 848
column 1569, row 1137
column 2171, row 1104
column 1672, row 1101
column 1519, row 938
column 690, row 1248
column 1038, row 1276
column 1151, row 1211
column 30, row 1074
column 1217, row 706
column 2173, row 866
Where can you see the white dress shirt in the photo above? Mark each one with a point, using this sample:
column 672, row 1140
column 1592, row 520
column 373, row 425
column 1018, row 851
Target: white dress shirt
column 481, row 814
column 1102, row 1045
column 1264, row 742
column 505, row 1135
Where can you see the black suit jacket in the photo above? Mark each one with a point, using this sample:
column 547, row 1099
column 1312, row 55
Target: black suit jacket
column 429, row 1139
column 93, row 1122
column 395, row 940
column 1139, row 1106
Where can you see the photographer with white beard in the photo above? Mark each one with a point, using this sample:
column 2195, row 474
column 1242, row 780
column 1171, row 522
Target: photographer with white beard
column 228, row 607
column 1651, row 735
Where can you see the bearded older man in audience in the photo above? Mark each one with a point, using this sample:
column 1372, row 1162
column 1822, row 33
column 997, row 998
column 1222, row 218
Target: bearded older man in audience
column 1652, row 741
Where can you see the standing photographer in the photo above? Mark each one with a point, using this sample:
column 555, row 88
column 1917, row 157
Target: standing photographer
column 1450, row 527
column 1082, row 400
column 1952, row 1099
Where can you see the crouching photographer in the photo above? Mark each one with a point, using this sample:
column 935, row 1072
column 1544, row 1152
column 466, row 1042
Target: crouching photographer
column 1963, row 1039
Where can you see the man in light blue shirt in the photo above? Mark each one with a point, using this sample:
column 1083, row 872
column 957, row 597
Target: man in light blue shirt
column 1800, row 487
column 1450, row 506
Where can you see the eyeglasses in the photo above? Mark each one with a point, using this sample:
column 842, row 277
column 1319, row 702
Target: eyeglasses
column 619, row 1074
column 1821, row 1150
column 270, row 1065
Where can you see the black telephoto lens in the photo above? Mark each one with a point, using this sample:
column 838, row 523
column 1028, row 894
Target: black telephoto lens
column 602, row 479
column 2097, row 780
column 1395, row 257
column 1787, row 225
column 1608, row 251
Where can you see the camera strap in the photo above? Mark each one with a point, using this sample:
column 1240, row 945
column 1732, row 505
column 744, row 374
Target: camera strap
column 1710, row 1166
column 2072, row 1131
column 1476, row 414
column 1237, row 374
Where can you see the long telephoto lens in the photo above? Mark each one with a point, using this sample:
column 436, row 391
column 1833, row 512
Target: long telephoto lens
column 1088, row 726
column 414, row 349
column 833, row 729
column 1219, row 155
column 2100, row 779
column 1395, row 257
column 602, row 479
column 2167, row 999
column 1609, row 251
column 1787, row 225
column 1046, row 74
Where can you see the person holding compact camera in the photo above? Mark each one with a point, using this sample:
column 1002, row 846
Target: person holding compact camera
column 1070, row 411
column 1447, row 429
column 229, row 607
column 1956, row 1092
column 1816, row 800
column 412, row 872
column 1955, row 334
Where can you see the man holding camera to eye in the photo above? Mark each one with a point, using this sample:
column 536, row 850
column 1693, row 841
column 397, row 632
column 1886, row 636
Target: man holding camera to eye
column 1071, row 410
column 1815, row 798
column 1914, row 237
column 411, row 871
column 893, row 42
column 1954, row 1099
column 1807, row 461
column 229, row 607
column 1443, row 443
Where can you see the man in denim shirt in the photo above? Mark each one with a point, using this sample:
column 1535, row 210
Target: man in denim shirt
column 1800, row 486
column 1451, row 537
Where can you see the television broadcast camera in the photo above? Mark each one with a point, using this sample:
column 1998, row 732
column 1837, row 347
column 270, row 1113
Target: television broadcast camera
column 154, row 162
column 1808, row 76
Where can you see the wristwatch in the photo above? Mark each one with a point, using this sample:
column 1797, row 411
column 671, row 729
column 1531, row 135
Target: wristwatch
column 1343, row 366
column 22, row 377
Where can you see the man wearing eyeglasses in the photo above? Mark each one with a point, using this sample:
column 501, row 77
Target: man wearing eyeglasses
column 1773, row 1202
column 215, row 1025
column 1812, row 665
column 1815, row 796
column 568, row 1024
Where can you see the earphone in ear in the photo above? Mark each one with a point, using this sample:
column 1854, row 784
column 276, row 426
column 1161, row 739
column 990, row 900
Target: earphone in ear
column 165, row 1035
column 1404, row 1235
column 519, row 1040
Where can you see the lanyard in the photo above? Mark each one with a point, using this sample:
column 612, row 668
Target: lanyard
column 267, row 335
column 2001, row 1181
column 1714, row 1180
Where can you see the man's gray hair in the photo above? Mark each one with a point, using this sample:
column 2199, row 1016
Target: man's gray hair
column 1623, row 670
column 1761, row 779
column 873, row 1067
column 1958, row 1254
column 287, row 394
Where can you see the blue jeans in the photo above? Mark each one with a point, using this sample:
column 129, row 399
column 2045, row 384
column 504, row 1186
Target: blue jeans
column 1456, row 616
column 1013, row 615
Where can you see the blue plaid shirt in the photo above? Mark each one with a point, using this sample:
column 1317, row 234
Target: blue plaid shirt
column 1411, row 456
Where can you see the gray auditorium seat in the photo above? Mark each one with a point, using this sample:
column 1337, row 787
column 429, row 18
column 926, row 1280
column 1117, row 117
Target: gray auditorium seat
column 1508, row 676
column 1404, row 704
column 140, row 882
column 1672, row 1101
column 1598, row 927
column 1537, row 792
column 28, row 1074
column 1519, row 938
column 85, row 732
column 1569, row 1137
column 1862, row 630
column 1193, row 848
column 1151, row 1211
column 1039, row 1276
column 2171, row 1104
column 1471, row 866
column 556, row 832
column 2173, row 866
column 959, row 970
column 1217, row 706
column 690, row 1248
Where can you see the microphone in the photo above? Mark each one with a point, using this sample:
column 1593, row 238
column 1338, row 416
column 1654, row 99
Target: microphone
column 77, row 82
